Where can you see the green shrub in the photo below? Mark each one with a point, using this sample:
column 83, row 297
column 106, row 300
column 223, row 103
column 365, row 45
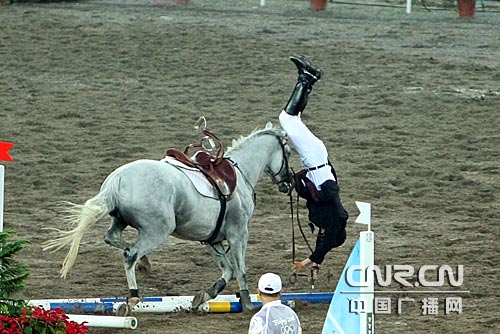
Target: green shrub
column 16, row 316
column 12, row 274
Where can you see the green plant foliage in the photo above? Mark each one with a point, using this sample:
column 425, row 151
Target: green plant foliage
column 12, row 274
column 16, row 316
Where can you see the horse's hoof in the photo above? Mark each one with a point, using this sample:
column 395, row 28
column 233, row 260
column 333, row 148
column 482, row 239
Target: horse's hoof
column 123, row 310
column 145, row 270
column 246, row 302
column 246, row 308
column 144, row 266
column 199, row 299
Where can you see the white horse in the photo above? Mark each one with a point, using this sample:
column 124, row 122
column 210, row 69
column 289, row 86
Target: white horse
column 159, row 200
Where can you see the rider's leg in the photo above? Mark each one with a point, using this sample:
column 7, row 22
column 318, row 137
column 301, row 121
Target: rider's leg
column 308, row 75
column 310, row 148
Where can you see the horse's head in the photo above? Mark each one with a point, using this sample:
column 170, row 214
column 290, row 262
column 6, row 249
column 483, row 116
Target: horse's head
column 275, row 154
column 278, row 167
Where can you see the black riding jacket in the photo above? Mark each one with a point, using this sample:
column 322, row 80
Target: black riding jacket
column 326, row 212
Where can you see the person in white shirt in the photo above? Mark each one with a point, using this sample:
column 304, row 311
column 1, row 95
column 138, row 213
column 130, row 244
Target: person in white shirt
column 273, row 317
column 317, row 182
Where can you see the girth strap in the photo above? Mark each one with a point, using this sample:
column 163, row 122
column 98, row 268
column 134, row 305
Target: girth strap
column 220, row 218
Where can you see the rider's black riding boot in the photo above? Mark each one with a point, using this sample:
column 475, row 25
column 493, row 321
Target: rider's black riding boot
column 304, row 66
column 308, row 75
column 299, row 97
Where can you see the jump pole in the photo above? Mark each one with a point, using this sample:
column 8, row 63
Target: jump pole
column 104, row 321
column 171, row 304
column 149, row 307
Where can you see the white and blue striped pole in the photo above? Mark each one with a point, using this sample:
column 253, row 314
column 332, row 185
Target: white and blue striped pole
column 169, row 304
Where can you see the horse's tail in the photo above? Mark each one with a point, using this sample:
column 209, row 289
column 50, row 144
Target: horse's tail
column 84, row 217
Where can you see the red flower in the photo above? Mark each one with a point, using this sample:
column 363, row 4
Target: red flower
column 38, row 320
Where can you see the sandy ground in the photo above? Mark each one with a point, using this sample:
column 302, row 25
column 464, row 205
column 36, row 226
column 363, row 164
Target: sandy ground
column 408, row 108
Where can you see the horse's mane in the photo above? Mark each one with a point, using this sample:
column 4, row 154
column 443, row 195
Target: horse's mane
column 268, row 130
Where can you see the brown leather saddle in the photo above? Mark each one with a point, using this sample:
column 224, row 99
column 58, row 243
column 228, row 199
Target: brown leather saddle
column 218, row 170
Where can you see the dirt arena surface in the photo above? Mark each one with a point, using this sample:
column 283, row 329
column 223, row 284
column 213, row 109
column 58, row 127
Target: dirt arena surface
column 408, row 108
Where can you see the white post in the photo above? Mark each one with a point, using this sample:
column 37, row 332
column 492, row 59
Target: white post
column 262, row 3
column 366, row 255
column 351, row 308
column 408, row 6
column 4, row 155
column 366, row 260
column 2, row 173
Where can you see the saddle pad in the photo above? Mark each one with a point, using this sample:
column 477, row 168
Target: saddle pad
column 197, row 178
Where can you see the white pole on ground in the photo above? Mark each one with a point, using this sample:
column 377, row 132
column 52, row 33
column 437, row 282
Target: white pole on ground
column 104, row 321
column 408, row 6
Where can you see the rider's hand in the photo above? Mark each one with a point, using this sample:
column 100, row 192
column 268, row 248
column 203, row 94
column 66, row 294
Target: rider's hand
column 297, row 266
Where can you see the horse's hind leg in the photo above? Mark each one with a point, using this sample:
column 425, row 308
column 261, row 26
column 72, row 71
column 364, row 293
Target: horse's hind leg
column 219, row 254
column 144, row 265
column 114, row 238
column 149, row 238
column 113, row 235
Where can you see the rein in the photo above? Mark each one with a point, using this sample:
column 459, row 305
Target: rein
column 235, row 164
column 293, row 277
column 284, row 164
column 300, row 226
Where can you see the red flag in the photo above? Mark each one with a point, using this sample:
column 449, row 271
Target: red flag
column 4, row 148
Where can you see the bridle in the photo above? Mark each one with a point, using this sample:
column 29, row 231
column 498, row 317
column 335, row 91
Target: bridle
column 285, row 164
column 287, row 181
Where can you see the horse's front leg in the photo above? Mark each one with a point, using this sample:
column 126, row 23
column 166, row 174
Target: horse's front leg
column 219, row 254
column 238, row 245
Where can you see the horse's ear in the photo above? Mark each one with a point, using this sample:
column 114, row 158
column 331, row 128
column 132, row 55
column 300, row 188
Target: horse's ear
column 269, row 125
